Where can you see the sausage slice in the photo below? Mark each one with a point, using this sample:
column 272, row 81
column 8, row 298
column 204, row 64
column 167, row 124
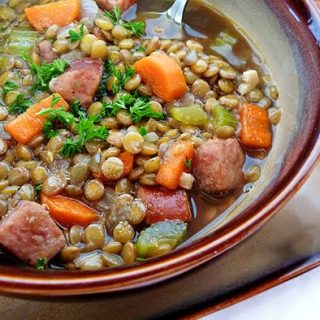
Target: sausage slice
column 218, row 166
column 164, row 204
column 80, row 81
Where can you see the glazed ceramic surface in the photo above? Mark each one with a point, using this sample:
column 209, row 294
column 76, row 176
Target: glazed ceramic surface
column 279, row 31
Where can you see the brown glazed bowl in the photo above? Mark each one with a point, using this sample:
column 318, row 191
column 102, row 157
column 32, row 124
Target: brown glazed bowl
column 280, row 32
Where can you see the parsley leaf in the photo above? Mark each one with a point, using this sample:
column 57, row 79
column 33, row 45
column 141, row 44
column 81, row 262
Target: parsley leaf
column 55, row 118
column 141, row 49
column 20, row 104
column 111, row 109
column 139, row 107
column 46, row 72
column 136, row 27
column 143, row 131
column 102, row 91
column 87, row 131
column 9, row 86
column 142, row 109
column 188, row 163
column 121, row 77
column 76, row 36
column 114, row 16
column 38, row 187
column 40, row 264
column 77, row 110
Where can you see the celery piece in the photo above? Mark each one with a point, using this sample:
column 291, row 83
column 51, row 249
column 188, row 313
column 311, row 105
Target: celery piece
column 162, row 233
column 223, row 117
column 21, row 41
column 192, row 114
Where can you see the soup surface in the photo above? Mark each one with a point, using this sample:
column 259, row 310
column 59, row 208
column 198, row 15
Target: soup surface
column 118, row 143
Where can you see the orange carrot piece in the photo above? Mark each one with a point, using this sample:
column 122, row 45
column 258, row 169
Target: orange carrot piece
column 175, row 164
column 68, row 212
column 60, row 13
column 256, row 132
column 28, row 124
column 127, row 159
column 163, row 75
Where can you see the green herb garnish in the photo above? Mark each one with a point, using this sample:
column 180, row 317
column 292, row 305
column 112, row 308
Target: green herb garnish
column 20, row 104
column 102, row 91
column 143, row 131
column 55, row 118
column 9, row 86
column 141, row 49
column 121, row 77
column 77, row 110
column 87, row 131
column 40, row 264
column 38, row 187
column 136, row 27
column 139, row 107
column 46, row 72
column 188, row 164
column 76, row 36
column 142, row 109
column 122, row 103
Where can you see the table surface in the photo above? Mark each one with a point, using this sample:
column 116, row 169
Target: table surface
column 290, row 238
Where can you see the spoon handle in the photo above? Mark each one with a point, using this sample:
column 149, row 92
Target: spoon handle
column 177, row 10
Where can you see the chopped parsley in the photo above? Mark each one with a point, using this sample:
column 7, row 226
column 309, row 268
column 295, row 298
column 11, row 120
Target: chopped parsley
column 9, row 86
column 20, row 104
column 136, row 27
column 38, row 187
column 121, row 77
column 188, row 164
column 40, row 264
column 55, row 118
column 139, row 107
column 46, row 72
column 143, row 131
column 77, row 110
column 102, row 91
column 141, row 49
column 76, row 36
column 142, row 109
column 87, row 131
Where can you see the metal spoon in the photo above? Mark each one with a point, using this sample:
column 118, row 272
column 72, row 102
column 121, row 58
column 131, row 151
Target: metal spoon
column 162, row 26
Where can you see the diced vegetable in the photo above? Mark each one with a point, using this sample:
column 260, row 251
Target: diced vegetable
column 223, row 117
column 68, row 212
column 127, row 159
column 164, row 204
column 60, row 13
column 174, row 164
column 163, row 74
column 255, row 131
column 169, row 233
column 29, row 124
column 193, row 115
column 21, row 40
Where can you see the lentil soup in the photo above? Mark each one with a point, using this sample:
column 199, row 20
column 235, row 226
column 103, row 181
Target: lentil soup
column 117, row 146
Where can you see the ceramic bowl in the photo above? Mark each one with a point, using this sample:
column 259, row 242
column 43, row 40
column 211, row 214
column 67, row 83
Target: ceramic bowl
column 280, row 32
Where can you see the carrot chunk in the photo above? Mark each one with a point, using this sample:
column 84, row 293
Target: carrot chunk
column 163, row 75
column 174, row 164
column 256, row 132
column 60, row 13
column 27, row 125
column 68, row 211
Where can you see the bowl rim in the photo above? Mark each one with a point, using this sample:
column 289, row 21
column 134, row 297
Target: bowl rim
column 62, row 283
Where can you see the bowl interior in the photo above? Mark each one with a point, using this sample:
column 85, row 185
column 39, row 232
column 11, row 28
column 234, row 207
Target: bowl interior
column 289, row 50
column 290, row 67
